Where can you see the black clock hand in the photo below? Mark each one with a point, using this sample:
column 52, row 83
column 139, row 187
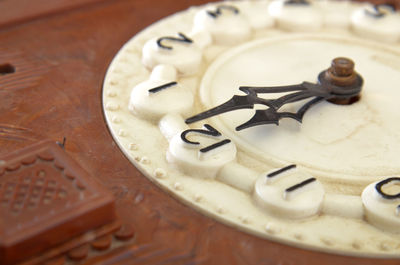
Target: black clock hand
column 248, row 101
column 270, row 115
column 339, row 84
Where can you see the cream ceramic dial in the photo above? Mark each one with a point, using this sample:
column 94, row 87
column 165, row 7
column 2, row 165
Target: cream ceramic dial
column 329, row 183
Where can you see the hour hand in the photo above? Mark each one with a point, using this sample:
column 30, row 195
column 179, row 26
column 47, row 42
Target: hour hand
column 244, row 102
column 271, row 116
column 235, row 103
column 339, row 84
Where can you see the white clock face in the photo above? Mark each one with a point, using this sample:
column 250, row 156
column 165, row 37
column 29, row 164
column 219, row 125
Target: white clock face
column 329, row 183
column 358, row 141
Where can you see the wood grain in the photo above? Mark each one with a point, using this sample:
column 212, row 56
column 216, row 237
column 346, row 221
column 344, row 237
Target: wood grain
column 64, row 100
column 18, row 11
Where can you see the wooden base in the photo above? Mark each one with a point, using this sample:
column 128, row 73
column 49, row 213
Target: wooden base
column 60, row 61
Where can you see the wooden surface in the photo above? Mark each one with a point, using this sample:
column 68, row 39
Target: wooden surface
column 19, row 11
column 60, row 61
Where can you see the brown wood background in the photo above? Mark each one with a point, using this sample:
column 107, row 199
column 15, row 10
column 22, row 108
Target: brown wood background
column 61, row 50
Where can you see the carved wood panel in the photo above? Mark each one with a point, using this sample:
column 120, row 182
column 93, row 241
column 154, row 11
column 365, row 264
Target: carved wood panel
column 53, row 68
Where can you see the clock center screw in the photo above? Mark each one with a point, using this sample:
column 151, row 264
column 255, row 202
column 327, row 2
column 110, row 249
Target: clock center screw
column 341, row 72
column 342, row 66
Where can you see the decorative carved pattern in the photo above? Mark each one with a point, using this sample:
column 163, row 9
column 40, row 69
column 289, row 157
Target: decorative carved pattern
column 45, row 199
column 30, row 192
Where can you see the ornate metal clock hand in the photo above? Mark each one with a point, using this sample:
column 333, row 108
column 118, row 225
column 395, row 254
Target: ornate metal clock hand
column 339, row 84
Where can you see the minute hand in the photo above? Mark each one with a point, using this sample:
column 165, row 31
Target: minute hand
column 337, row 89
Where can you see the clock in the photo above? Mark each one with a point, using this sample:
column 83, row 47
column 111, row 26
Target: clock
column 244, row 111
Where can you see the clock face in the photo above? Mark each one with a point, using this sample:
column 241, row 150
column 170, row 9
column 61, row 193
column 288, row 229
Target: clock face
column 366, row 130
column 329, row 183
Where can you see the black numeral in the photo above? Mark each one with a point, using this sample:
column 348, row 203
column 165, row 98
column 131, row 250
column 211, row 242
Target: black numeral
column 208, row 131
column 378, row 11
column 218, row 11
column 162, row 87
column 380, row 185
column 297, row 2
column 300, row 185
column 182, row 38
column 280, row 171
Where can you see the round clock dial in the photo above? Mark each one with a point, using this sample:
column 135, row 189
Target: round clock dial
column 329, row 183
column 355, row 143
